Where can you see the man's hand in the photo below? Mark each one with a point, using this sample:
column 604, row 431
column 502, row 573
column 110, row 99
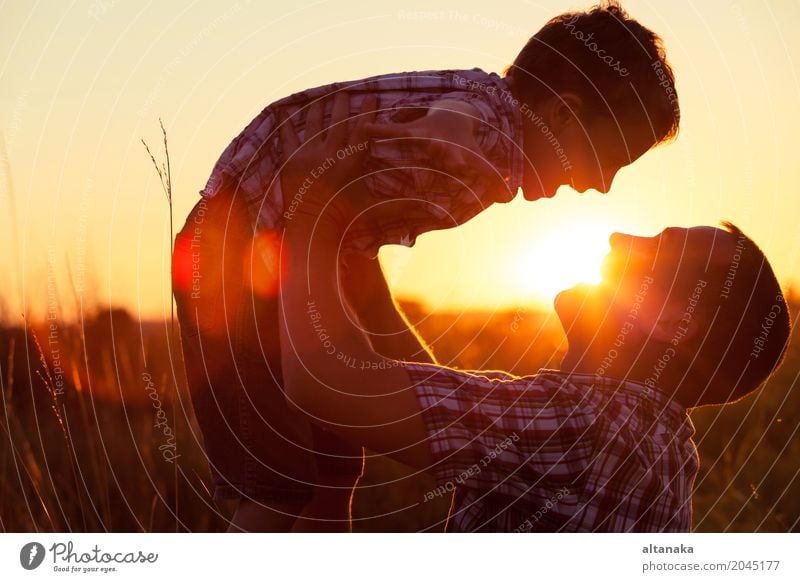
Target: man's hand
column 448, row 134
column 450, row 129
column 322, row 167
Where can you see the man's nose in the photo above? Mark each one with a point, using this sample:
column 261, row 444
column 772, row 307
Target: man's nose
column 620, row 240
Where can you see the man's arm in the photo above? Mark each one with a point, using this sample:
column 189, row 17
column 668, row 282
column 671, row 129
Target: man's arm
column 388, row 330
column 449, row 130
column 330, row 371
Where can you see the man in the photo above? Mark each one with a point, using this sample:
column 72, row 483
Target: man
column 588, row 94
column 690, row 317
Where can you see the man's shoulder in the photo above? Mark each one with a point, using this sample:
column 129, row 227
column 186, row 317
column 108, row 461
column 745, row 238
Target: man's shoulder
column 555, row 386
column 433, row 375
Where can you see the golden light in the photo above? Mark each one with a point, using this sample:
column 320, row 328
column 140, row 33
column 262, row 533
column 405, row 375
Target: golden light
column 262, row 263
column 561, row 258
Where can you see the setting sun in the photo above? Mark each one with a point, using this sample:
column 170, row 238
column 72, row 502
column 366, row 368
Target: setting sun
column 561, row 258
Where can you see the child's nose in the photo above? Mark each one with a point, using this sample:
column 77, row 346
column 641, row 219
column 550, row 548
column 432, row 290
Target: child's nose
column 606, row 178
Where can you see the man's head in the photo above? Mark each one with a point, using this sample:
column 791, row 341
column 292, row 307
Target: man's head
column 596, row 92
column 695, row 312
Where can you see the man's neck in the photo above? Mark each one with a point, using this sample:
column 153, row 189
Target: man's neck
column 582, row 366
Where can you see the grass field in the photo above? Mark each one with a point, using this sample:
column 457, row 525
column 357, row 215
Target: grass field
column 98, row 433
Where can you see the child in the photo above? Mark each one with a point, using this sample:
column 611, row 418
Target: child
column 588, row 94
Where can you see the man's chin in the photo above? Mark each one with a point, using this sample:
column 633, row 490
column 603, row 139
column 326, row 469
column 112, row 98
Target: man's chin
column 568, row 302
column 576, row 292
column 575, row 303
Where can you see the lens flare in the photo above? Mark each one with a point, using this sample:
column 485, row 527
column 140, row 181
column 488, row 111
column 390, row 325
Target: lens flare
column 262, row 264
column 561, row 259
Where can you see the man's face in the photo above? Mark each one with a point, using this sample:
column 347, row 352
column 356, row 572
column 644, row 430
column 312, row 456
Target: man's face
column 645, row 281
column 581, row 154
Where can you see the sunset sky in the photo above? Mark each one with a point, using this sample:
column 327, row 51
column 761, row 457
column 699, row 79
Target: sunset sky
column 82, row 82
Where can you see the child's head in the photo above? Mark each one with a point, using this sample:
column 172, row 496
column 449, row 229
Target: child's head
column 596, row 92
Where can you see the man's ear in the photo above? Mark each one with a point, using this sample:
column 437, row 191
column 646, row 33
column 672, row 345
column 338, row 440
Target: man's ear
column 564, row 109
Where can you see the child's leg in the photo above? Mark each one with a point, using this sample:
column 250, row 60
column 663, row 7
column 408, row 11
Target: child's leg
column 255, row 516
column 258, row 449
column 335, row 464
column 329, row 509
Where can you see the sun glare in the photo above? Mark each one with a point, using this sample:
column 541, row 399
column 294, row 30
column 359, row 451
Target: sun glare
column 562, row 258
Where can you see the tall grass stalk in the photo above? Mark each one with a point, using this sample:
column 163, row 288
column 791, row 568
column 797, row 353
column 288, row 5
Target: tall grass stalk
column 164, row 172
column 12, row 212
column 165, row 177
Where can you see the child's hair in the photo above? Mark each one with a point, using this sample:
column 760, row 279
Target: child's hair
column 617, row 66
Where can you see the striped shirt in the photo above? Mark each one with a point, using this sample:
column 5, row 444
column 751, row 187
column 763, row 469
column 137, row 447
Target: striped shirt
column 556, row 452
column 395, row 169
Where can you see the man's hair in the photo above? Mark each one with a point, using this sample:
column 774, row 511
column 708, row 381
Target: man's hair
column 748, row 326
column 617, row 66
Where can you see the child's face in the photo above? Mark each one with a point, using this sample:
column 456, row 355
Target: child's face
column 584, row 154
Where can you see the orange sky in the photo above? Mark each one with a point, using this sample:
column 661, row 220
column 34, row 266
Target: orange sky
column 81, row 83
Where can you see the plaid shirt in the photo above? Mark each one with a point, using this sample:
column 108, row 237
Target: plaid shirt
column 396, row 168
column 556, row 452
